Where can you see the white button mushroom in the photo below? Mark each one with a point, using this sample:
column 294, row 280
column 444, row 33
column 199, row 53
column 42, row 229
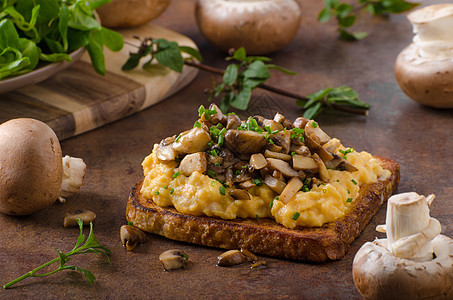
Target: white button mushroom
column 260, row 26
column 414, row 262
column 33, row 175
column 423, row 69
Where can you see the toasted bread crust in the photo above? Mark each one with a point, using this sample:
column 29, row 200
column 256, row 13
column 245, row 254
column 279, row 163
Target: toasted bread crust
column 265, row 236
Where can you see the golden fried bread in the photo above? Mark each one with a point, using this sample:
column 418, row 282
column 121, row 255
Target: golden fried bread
column 264, row 235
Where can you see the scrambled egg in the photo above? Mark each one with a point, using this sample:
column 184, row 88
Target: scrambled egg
column 198, row 194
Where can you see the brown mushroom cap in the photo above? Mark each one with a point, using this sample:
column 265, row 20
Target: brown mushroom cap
column 30, row 166
column 130, row 13
column 428, row 82
column 260, row 26
column 378, row 274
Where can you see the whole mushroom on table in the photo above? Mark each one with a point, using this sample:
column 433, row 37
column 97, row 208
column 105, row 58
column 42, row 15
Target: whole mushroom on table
column 424, row 69
column 33, row 173
column 414, row 262
column 260, row 26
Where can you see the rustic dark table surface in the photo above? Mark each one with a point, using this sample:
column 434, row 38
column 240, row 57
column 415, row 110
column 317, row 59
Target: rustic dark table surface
column 419, row 138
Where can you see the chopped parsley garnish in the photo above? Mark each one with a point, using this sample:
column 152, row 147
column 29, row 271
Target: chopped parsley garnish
column 207, row 112
column 210, row 143
column 349, row 200
column 298, row 133
column 353, row 181
column 172, row 191
column 314, row 125
column 258, row 182
column 197, row 124
column 130, row 223
column 344, row 152
column 176, row 174
column 211, row 173
column 293, row 153
column 272, row 202
column 222, row 190
column 295, row 216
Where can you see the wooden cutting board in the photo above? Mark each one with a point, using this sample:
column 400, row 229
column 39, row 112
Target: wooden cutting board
column 77, row 99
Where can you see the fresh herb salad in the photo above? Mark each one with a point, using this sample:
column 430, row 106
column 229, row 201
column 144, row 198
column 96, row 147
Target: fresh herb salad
column 33, row 32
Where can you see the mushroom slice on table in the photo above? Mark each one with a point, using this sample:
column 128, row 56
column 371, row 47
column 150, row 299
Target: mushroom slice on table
column 173, row 259
column 86, row 216
column 131, row 236
column 231, row 258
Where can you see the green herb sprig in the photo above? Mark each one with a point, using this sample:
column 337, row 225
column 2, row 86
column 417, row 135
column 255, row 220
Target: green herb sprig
column 90, row 245
column 346, row 14
column 241, row 77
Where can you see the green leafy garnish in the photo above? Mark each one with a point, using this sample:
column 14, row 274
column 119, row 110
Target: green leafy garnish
column 295, row 216
column 91, row 245
column 241, row 77
column 46, row 31
column 346, row 14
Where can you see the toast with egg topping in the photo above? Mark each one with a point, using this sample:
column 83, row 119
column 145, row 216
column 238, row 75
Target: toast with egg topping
column 270, row 186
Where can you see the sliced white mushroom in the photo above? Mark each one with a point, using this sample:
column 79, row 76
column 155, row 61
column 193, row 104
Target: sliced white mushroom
column 238, row 194
column 173, row 259
column 322, row 169
column 317, row 148
column 131, row 236
column 245, row 141
column 258, row 161
column 304, row 163
column 166, row 153
column 86, row 216
column 276, row 185
column 291, row 189
column 192, row 141
column 282, row 166
column 231, row 258
column 195, row 162
column 313, row 130
column 277, row 155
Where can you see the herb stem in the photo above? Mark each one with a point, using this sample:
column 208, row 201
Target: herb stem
column 358, row 111
column 32, row 273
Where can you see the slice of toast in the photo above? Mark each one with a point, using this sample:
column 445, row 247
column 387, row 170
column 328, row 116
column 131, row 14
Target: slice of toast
column 265, row 236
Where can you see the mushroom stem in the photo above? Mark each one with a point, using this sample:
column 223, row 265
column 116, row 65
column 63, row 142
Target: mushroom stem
column 409, row 227
column 72, row 176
